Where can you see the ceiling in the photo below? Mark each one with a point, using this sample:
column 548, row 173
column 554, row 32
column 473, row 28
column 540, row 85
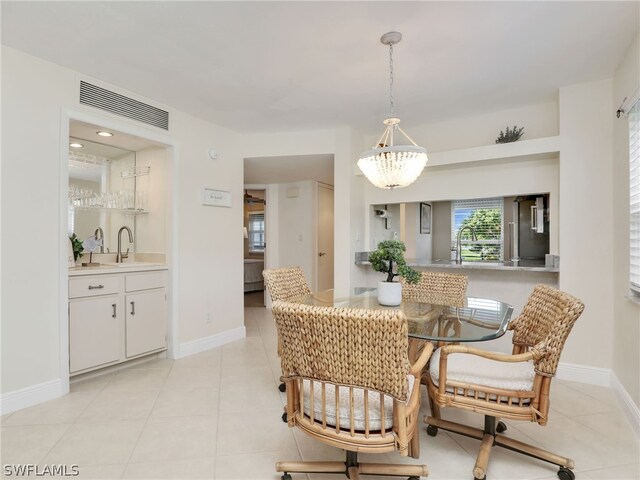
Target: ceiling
column 106, row 146
column 293, row 168
column 281, row 66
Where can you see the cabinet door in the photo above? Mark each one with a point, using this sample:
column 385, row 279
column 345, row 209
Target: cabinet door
column 146, row 321
column 94, row 331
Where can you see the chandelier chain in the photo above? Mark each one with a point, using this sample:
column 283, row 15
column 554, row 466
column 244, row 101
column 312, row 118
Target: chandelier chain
column 387, row 165
column 391, row 105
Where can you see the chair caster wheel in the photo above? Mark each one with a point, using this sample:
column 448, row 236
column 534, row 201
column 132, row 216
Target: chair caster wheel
column 432, row 431
column 285, row 476
column 285, row 419
column 501, row 427
column 566, row 474
column 282, row 387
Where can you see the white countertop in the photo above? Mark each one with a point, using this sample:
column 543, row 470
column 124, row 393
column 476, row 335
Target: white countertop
column 522, row 265
column 126, row 267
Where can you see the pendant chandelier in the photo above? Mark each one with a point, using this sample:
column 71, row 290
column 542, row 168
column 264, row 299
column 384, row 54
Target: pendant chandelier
column 388, row 165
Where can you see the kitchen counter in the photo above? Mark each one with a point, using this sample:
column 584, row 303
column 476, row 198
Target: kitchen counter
column 117, row 268
column 522, row 265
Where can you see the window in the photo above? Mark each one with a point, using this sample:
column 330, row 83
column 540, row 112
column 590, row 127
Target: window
column 634, row 198
column 484, row 216
column 256, row 232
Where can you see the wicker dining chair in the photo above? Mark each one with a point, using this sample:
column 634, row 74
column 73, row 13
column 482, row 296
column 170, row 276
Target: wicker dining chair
column 438, row 288
column 350, row 385
column 285, row 284
column 507, row 386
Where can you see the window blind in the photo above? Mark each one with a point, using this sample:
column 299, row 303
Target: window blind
column 485, row 217
column 256, row 232
column 634, row 197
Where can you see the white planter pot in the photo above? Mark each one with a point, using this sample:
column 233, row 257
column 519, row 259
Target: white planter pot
column 389, row 293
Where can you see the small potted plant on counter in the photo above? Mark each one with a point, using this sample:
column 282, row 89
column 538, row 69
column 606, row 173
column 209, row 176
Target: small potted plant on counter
column 382, row 260
column 77, row 247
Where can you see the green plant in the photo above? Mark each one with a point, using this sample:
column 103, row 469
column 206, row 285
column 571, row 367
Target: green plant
column 509, row 136
column 487, row 224
column 77, row 246
column 383, row 258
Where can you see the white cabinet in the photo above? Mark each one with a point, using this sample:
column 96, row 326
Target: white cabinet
column 95, row 331
column 116, row 317
column 146, row 321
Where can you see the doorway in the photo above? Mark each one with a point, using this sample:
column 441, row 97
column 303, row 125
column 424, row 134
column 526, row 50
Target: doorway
column 254, row 246
column 324, row 237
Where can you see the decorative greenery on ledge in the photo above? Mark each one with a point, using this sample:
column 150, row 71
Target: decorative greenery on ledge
column 509, row 136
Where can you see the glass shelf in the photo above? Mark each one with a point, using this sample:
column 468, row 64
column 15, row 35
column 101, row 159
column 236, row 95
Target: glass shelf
column 125, row 211
column 137, row 172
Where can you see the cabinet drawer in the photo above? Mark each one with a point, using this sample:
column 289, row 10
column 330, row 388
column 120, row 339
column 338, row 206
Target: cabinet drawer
column 145, row 281
column 94, row 285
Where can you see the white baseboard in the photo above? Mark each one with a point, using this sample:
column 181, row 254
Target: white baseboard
column 207, row 343
column 628, row 405
column 27, row 397
column 584, row 374
column 604, row 378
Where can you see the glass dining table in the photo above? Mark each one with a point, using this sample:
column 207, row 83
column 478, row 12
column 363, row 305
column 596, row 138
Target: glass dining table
column 480, row 319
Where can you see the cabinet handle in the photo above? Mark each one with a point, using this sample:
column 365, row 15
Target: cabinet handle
column 133, row 308
column 113, row 305
column 95, row 287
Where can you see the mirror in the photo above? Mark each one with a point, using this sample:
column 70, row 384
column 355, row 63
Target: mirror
column 493, row 229
column 102, row 191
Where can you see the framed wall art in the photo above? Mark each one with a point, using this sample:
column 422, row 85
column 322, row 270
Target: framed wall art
column 425, row 218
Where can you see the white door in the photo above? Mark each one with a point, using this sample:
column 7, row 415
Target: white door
column 95, row 326
column 324, row 254
column 146, row 328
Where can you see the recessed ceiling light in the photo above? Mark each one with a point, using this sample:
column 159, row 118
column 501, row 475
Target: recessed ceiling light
column 76, row 145
column 103, row 133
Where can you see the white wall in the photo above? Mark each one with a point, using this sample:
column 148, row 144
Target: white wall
column 586, row 206
column 626, row 315
column 32, row 94
column 207, row 254
column 210, row 253
column 540, row 120
column 296, row 228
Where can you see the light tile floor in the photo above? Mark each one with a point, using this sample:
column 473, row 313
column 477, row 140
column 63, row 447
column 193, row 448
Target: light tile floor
column 217, row 415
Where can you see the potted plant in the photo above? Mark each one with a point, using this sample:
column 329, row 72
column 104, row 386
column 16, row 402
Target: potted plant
column 77, row 247
column 382, row 260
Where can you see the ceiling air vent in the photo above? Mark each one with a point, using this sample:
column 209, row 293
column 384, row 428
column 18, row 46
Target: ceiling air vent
column 120, row 105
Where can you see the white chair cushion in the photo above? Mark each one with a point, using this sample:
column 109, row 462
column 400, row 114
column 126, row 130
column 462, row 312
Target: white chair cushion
column 345, row 410
column 466, row 368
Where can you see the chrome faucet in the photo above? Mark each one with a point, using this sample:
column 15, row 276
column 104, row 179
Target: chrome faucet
column 120, row 255
column 459, row 241
column 99, row 235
